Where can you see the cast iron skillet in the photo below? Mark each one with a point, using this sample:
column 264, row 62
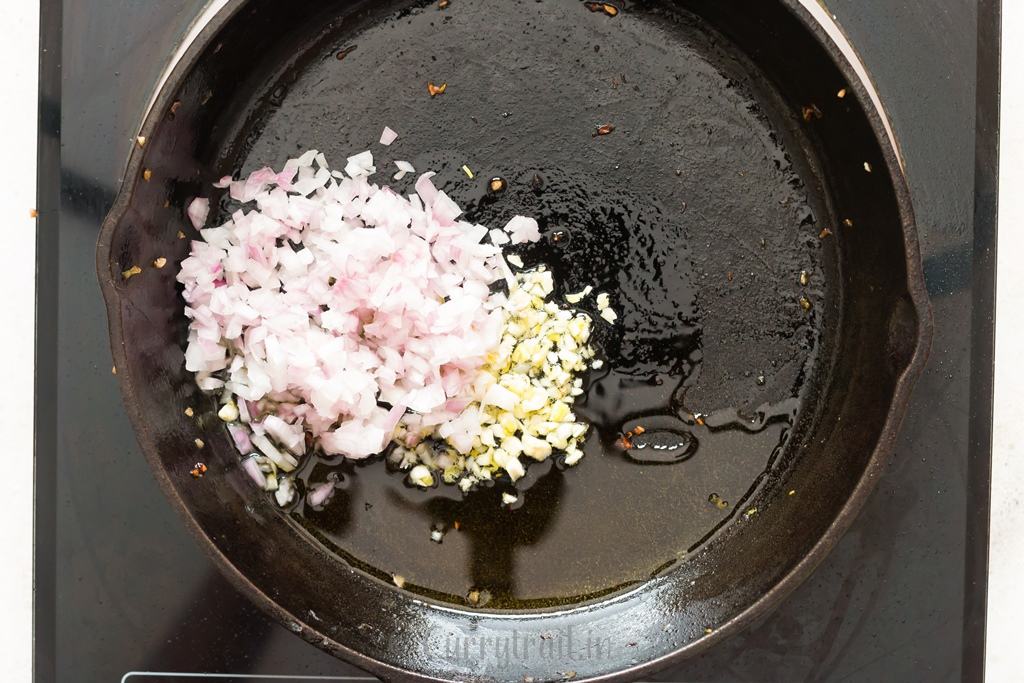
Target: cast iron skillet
column 752, row 225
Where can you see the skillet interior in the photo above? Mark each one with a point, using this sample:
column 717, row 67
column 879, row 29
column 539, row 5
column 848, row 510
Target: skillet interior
column 705, row 261
column 707, row 280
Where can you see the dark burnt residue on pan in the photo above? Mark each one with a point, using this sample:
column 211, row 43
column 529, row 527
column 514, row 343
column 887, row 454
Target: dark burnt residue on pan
column 697, row 215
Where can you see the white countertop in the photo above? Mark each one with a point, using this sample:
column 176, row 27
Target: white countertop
column 17, row 176
column 18, row 52
column 1006, row 547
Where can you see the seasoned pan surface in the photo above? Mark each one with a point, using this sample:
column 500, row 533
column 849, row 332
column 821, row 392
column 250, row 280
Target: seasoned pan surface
column 759, row 245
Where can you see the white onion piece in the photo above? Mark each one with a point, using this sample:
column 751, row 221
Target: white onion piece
column 388, row 136
column 243, row 412
column 360, row 165
column 198, row 211
column 283, row 460
column 306, row 159
column 523, row 229
column 404, row 167
column 288, row 435
column 209, row 383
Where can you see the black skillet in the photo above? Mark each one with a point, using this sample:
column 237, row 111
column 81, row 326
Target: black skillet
column 749, row 215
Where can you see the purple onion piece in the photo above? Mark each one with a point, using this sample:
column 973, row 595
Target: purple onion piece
column 243, row 410
column 252, row 468
column 320, row 494
column 240, row 435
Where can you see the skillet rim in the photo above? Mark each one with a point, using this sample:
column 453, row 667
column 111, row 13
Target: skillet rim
column 875, row 466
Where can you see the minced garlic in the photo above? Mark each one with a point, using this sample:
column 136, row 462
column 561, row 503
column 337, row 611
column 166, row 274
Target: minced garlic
column 604, row 308
column 523, row 395
column 421, row 476
column 228, row 412
column 578, row 296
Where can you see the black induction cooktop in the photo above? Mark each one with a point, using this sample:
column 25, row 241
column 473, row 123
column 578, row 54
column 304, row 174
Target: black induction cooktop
column 123, row 590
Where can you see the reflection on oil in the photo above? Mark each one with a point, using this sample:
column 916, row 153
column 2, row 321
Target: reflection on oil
column 616, row 241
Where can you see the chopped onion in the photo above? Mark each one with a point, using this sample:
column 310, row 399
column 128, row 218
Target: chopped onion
column 283, row 460
column 209, row 383
column 403, row 168
column 243, row 411
column 372, row 298
column 252, row 468
column 523, row 229
column 425, row 188
column 388, row 136
column 320, row 494
column 198, row 211
column 360, row 165
column 291, row 436
column 240, row 435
